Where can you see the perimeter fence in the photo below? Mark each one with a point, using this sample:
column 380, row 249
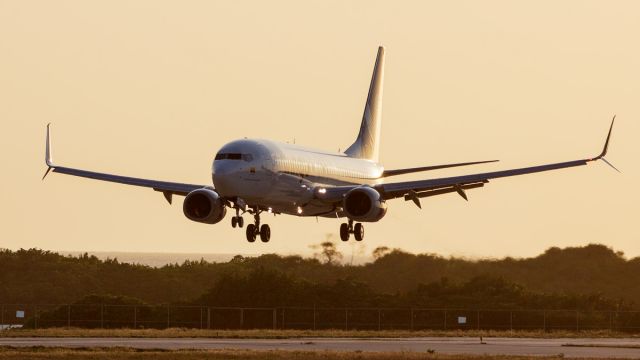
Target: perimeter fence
column 310, row 318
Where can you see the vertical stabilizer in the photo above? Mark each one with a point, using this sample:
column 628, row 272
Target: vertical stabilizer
column 367, row 144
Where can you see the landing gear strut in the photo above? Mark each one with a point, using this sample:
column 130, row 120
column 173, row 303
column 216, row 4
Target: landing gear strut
column 346, row 229
column 237, row 220
column 253, row 230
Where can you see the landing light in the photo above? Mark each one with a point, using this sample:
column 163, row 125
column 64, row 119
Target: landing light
column 322, row 191
column 269, row 210
column 299, row 210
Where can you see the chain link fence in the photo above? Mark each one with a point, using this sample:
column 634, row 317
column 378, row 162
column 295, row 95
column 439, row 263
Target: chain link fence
column 310, row 318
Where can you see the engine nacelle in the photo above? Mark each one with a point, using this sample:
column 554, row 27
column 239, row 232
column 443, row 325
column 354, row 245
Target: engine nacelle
column 364, row 203
column 205, row 206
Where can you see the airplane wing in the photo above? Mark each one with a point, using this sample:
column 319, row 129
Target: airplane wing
column 167, row 188
column 414, row 190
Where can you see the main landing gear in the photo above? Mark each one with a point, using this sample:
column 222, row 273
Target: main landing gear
column 346, row 229
column 253, row 230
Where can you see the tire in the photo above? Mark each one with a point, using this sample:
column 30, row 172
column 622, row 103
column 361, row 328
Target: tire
column 344, row 232
column 251, row 233
column 265, row 233
column 358, row 231
column 240, row 222
column 234, row 222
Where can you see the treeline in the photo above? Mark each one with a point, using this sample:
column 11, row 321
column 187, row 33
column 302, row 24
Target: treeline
column 591, row 277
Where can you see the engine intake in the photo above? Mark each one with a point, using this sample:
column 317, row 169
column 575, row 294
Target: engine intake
column 205, row 206
column 364, row 204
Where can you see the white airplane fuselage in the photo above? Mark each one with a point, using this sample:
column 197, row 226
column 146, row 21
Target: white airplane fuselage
column 283, row 176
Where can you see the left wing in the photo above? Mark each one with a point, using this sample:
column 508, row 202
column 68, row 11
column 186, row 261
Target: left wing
column 414, row 190
column 166, row 187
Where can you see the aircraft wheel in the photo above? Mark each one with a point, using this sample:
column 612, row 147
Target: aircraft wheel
column 234, row 222
column 240, row 221
column 344, row 232
column 265, row 233
column 358, row 231
column 251, row 233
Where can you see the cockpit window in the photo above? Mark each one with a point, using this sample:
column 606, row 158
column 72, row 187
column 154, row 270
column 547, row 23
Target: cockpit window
column 234, row 156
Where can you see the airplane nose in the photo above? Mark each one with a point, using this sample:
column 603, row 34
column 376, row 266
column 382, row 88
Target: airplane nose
column 223, row 179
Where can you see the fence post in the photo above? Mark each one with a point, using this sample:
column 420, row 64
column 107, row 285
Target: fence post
column 577, row 316
column 478, row 319
column 168, row 316
column 68, row 316
column 445, row 319
column 610, row 321
column 544, row 320
column 511, row 320
column 411, row 325
column 346, row 319
column 275, row 318
column 283, row 318
column 208, row 317
column 135, row 316
column 241, row 318
column 314, row 316
column 2, row 314
column 379, row 320
column 35, row 316
column 201, row 321
column 101, row 316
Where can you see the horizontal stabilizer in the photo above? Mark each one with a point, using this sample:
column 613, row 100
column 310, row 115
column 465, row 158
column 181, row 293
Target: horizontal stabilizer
column 388, row 173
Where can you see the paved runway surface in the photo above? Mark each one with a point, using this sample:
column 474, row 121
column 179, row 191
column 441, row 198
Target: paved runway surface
column 504, row 346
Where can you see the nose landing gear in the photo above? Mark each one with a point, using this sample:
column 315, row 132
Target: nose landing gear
column 237, row 220
column 346, row 229
column 253, row 230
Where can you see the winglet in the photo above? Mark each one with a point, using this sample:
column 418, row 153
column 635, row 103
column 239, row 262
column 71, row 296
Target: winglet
column 47, row 156
column 606, row 143
column 606, row 147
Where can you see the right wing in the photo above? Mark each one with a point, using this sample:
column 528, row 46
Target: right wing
column 414, row 190
column 166, row 187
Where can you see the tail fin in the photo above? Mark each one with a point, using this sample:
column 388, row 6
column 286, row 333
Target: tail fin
column 367, row 144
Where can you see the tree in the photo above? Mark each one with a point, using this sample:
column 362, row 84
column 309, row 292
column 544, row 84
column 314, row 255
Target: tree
column 380, row 251
column 330, row 254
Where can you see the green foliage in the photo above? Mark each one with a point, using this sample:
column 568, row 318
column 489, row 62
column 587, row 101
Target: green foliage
column 592, row 277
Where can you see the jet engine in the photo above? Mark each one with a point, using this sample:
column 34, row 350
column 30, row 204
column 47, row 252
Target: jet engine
column 205, row 206
column 364, row 203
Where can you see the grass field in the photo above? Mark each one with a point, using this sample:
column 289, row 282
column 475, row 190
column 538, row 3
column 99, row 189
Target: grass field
column 132, row 354
column 285, row 334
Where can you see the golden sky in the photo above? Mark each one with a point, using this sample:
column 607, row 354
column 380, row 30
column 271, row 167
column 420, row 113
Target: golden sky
column 153, row 89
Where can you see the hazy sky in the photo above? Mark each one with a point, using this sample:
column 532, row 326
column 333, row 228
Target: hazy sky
column 153, row 89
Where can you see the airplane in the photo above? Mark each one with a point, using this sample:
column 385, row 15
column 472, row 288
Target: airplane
column 255, row 176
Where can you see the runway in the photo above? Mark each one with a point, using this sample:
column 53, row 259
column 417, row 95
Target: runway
column 614, row 348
